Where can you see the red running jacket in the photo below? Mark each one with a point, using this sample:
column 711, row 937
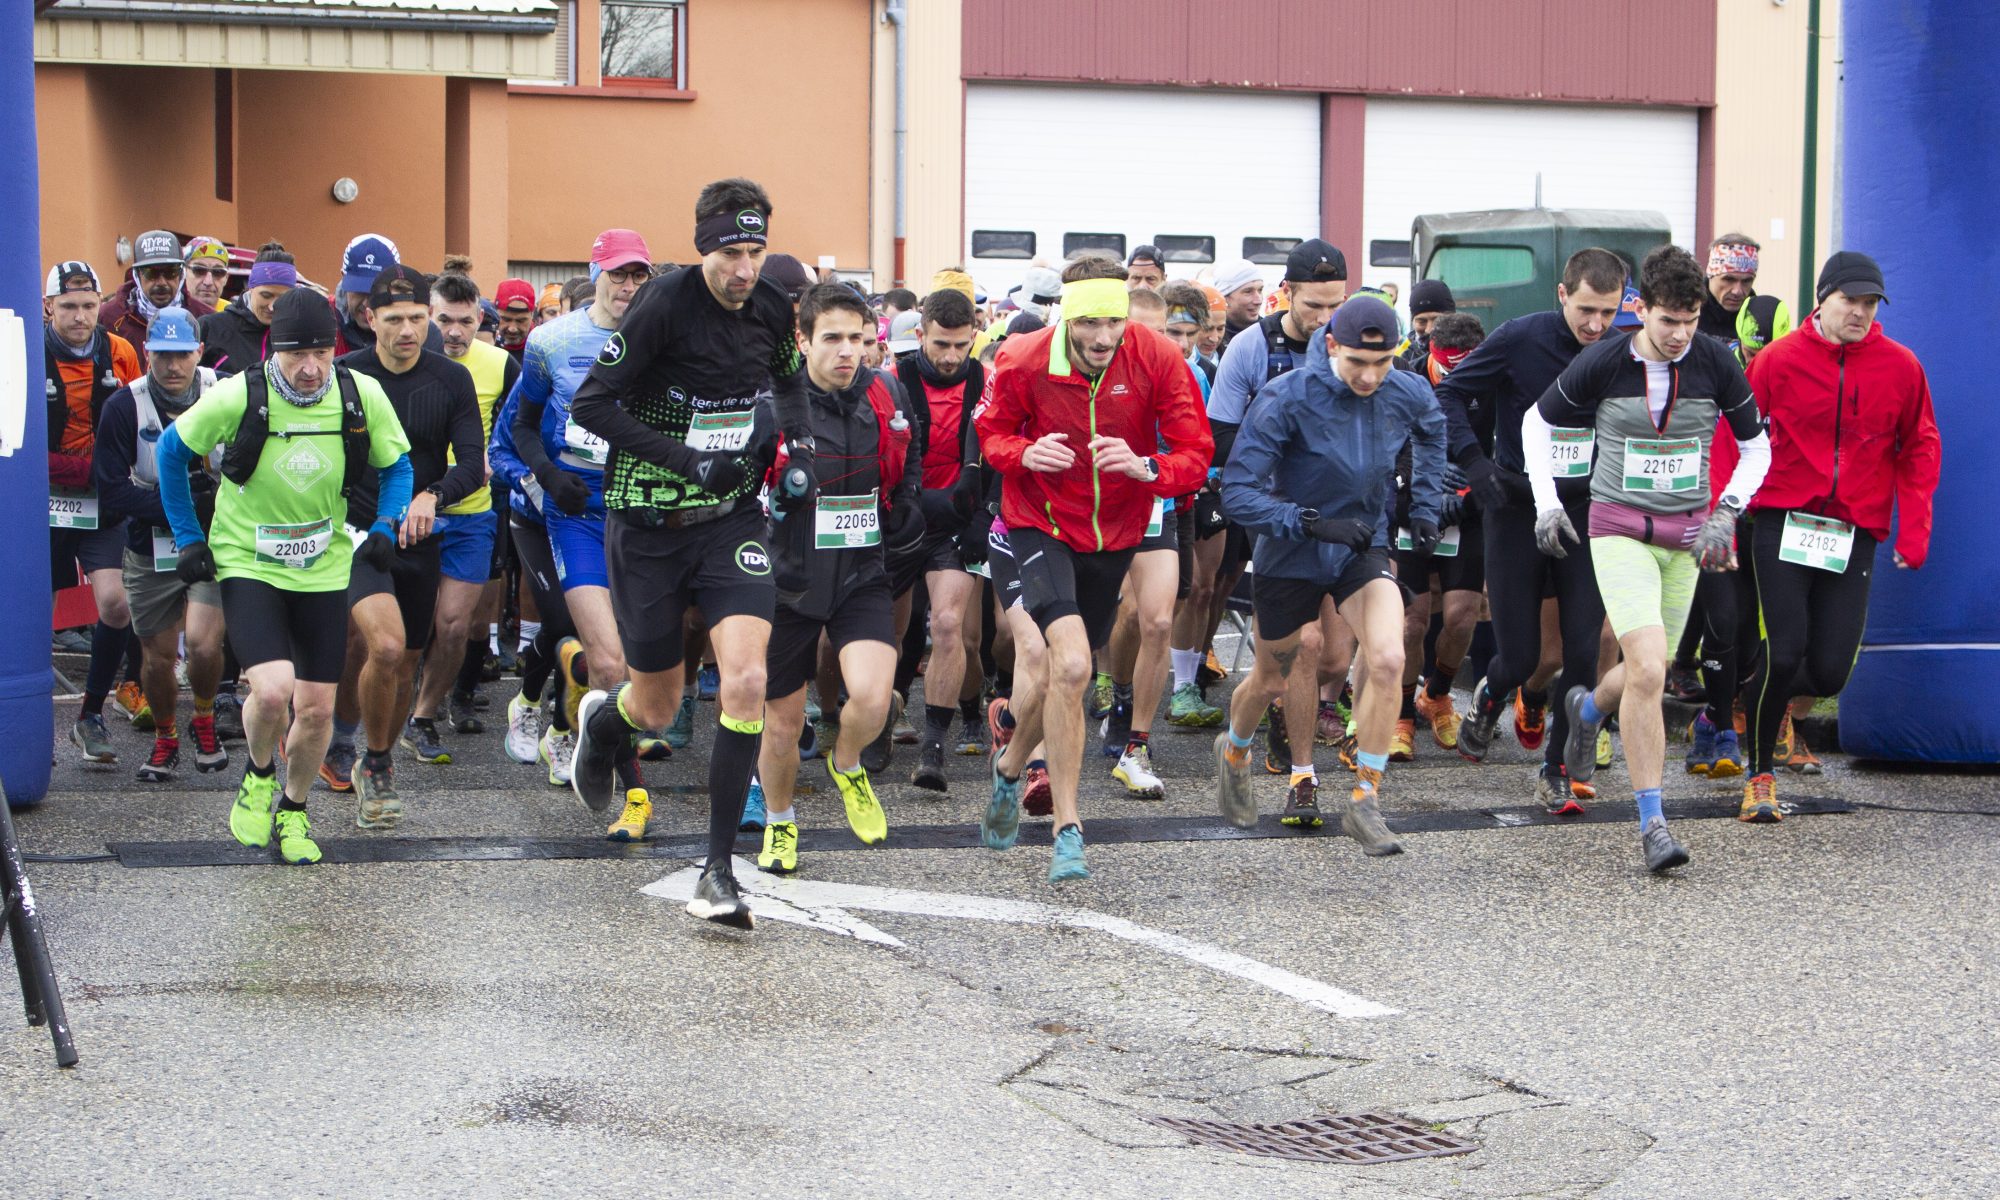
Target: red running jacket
column 1852, row 433
column 1147, row 396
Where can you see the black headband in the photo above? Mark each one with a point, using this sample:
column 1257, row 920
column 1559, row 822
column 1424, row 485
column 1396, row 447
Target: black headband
column 730, row 229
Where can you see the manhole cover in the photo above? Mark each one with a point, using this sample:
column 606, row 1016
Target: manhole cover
column 1342, row 1138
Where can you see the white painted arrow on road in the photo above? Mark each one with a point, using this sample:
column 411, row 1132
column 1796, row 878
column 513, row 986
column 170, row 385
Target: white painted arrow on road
column 818, row 904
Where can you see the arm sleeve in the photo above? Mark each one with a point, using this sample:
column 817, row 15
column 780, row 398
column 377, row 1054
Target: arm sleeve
column 1754, row 459
column 111, row 466
column 1427, row 459
column 1183, row 428
column 1246, row 477
column 176, row 497
column 1481, row 373
column 1919, row 462
column 468, row 470
column 393, row 496
column 1535, row 445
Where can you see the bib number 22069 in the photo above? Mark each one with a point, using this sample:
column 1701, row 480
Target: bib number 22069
column 846, row 522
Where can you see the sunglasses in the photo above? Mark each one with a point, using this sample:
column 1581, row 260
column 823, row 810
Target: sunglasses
column 213, row 272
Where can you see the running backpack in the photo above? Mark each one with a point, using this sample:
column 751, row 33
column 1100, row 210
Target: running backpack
column 239, row 461
column 103, row 382
column 892, row 445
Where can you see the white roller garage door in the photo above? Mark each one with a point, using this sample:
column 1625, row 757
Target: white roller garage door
column 1136, row 164
column 1452, row 156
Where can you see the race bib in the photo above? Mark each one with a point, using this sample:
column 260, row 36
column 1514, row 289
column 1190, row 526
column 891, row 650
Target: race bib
column 72, row 510
column 585, row 444
column 720, row 431
column 847, row 522
column 1447, row 546
column 1819, row 542
column 1569, row 451
column 166, row 556
column 295, row 546
column 1159, row 520
column 1653, row 465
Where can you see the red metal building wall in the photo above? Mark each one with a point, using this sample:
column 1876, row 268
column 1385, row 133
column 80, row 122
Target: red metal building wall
column 1658, row 52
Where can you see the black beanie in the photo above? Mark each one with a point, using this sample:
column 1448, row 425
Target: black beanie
column 1431, row 296
column 302, row 320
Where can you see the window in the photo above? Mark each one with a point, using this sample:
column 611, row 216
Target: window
column 644, row 40
column 1101, row 243
column 1002, row 243
column 1481, row 266
column 1391, row 252
column 1182, row 248
column 1269, row 250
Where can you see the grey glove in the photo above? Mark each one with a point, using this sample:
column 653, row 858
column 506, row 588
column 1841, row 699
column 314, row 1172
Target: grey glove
column 1551, row 528
column 1715, row 542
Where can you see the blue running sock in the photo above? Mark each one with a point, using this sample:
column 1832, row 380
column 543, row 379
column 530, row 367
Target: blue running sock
column 1590, row 712
column 1376, row 762
column 1649, row 807
column 1241, row 743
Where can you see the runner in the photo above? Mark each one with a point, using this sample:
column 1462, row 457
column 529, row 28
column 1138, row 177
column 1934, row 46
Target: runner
column 301, row 433
column 163, row 605
column 676, row 395
column 1497, row 384
column 1731, row 308
column 1199, row 531
column 466, row 531
column 1242, row 288
column 567, row 462
column 1080, row 477
column 84, row 364
column 943, row 375
column 1853, row 442
column 206, row 262
column 1458, row 564
column 234, row 339
column 155, row 283
column 828, row 565
column 391, row 604
column 1652, row 399
column 514, row 300
column 1310, row 471
column 1146, row 267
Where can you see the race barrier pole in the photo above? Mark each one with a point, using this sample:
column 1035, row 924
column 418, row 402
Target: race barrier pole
column 31, row 950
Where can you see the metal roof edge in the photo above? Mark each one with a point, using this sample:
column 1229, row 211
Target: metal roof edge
column 299, row 16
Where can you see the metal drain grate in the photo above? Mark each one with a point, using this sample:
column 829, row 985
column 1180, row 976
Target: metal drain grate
column 1341, row 1138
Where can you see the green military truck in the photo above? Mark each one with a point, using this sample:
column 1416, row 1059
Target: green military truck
column 1506, row 262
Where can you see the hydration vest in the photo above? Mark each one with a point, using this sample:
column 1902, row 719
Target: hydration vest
column 1278, row 357
column 145, row 446
column 103, row 382
column 239, row 461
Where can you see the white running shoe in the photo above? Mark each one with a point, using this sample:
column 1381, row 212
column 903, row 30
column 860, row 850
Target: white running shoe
column 558, row 746
column 1135, row 771
column 524, row 729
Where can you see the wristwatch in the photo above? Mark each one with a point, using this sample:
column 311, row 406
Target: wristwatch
column 1152, row 469
column 435, row 492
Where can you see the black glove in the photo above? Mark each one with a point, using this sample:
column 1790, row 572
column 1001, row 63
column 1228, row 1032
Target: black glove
column 1484, row 479
column 798, row 484
column 906, row 524
column 565, row 489
column 1454, row 479
column 379, row 551
column 1452, row 510
column 718, row 472
column 1424, row 538
column 972, row 547
column 965, row 494
column 1351, row 532
column 197, row 564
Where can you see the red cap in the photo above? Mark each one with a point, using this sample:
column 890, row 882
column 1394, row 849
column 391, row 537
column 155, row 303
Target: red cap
column 514, row 293
column 615, row 248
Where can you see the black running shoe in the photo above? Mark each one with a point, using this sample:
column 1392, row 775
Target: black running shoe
column 717, row 899
column 1117, row 728
column 1302, row 806
column 929, row 774
column 1277, row 743
column 1663, row 853
column 1475, row 733
column 592, row 769
column 875, row 755
column 1580, row 751
column 465, row 714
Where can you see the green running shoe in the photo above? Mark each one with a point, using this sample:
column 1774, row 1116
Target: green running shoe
column 295, row 844
column 1189, row 711
column 864, row 811
column 250, row 816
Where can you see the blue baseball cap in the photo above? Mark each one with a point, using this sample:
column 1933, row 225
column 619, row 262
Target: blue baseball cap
column 364, row 259
column 1628, row 310
column 1365, row 323
column 172, row 329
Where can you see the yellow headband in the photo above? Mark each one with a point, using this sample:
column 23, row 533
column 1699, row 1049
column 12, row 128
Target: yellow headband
column 1086, row 298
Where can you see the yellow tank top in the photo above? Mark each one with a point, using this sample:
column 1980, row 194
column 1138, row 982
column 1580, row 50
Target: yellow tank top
column 488, row 364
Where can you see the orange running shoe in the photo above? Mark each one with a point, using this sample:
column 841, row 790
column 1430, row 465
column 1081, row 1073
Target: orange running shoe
column 1530, row 723
column 1403, row 742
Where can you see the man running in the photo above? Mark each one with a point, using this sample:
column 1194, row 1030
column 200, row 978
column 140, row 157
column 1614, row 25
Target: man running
column 1075, row 423
column 301, row 433
column 567, row 463
column 1853, row 442
column 164, row 606
column 1652, row 399
column 828, row 564
column 85, row 364
column 1497, row 384
column 392, row 604
column 676, row 396
column 156, row 282
column 1311, row 471
column 234, row 339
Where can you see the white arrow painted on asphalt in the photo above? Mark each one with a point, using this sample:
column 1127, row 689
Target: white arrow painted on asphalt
column 821, row 905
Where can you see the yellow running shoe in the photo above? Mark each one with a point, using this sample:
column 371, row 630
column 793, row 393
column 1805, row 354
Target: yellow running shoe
column 631, row 824
column 569, row 656
column 1781, row 749
column 1603, row 747
column 864, row 811
column 250, row 816
column 1443, row 717
column 295, row 844
column 131, row 701
column 780, row 855
column 1760, row 801
column 1403, row 742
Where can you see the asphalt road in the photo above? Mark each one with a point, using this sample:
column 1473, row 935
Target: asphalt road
column 1806, row 1010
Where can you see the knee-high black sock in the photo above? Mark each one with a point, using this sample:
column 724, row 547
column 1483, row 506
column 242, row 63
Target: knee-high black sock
column 107, row 650
column 132, row 655
column 536, row 663
column 468, row 671
column 729, row 767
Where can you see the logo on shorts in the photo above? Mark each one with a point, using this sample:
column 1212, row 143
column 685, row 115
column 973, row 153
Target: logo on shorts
column 750, row 221
column 752, row 560
column 613, row 352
